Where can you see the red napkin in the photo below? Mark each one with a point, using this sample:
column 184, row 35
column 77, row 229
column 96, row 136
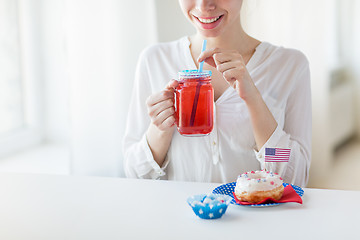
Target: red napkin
column 289, row 195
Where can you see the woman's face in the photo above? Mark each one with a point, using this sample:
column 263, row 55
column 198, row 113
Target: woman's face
column 212, row 17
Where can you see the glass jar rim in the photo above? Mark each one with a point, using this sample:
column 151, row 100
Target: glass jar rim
column 194, row 73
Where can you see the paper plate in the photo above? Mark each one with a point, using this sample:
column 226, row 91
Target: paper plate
column 228, row 189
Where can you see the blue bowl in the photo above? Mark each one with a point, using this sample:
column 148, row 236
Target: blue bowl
column 209, row 206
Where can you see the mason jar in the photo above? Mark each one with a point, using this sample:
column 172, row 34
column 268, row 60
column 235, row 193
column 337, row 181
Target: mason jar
column 194, row 103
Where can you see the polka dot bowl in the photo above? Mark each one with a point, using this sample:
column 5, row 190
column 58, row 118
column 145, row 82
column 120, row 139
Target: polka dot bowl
column 209, row 206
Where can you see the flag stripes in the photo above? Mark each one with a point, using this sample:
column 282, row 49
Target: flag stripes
column 277, row 154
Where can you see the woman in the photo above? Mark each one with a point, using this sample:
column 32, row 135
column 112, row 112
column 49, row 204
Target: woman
column 262, row 100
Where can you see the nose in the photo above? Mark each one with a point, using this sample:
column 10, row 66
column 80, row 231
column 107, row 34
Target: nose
column 205, row 5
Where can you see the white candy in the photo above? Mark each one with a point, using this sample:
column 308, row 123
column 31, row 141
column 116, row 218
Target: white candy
column 220, row 199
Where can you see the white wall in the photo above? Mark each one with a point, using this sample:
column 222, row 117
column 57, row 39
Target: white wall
column 102, row 51
column 54, row 71
column 83, row 56
column 171, row 22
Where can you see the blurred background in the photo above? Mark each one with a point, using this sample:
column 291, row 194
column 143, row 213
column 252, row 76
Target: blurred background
column 67, row 69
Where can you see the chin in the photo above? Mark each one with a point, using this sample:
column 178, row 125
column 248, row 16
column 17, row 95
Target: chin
column 209, row 34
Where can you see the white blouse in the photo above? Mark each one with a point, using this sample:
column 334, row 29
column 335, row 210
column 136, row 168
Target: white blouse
column 283, row 79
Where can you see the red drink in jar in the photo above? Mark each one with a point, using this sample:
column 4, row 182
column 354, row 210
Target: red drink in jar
column 194, row 103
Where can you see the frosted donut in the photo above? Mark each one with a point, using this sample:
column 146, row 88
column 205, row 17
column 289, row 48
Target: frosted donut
column 256, row 186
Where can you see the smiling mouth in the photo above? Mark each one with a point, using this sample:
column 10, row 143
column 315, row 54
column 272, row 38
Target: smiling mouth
column 208, row 20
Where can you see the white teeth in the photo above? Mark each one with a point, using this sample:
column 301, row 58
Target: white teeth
column 211, row 20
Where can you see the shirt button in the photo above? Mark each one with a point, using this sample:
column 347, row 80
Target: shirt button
column 214, row 143
column 260, row 156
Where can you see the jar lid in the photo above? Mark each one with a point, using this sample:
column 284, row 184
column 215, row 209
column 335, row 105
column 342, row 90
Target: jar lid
column 194, row 74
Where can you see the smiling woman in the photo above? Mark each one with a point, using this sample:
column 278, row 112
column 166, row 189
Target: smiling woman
column 329, row 39
column 257, row 106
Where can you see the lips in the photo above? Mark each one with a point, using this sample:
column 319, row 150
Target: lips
column 208, row 22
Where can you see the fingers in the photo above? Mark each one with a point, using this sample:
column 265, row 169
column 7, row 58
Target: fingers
column 165, row 119
column 172, row 85
column 232, row 66
column 159, row 97
column 233, row 76
column 161, row 107
column 228, row 57
column 208, row 53
column 211, row 62
column 167, row 93
column 228, row 62
column 217, row 56
column 232, row 71
column 155, row 109
column 222, row 67
column 207, row 56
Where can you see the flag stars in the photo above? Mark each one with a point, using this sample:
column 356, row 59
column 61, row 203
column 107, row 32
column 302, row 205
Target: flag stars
column 277, row 154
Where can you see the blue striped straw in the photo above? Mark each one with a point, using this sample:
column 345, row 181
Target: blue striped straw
column 203, row 49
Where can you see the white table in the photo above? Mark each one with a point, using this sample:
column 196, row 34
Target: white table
column 68, row 207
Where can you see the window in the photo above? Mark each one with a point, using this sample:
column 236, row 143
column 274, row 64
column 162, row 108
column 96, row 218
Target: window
column 20, row 98
column 11, row 100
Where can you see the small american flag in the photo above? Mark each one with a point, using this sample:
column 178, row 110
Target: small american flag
column 277, row 154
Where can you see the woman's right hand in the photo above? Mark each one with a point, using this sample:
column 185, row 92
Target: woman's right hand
column 161, row 107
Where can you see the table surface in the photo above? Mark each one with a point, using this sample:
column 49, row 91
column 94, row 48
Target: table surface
column 73, row 207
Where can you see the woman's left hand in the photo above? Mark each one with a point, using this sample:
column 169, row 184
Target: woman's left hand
column 232, row 66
